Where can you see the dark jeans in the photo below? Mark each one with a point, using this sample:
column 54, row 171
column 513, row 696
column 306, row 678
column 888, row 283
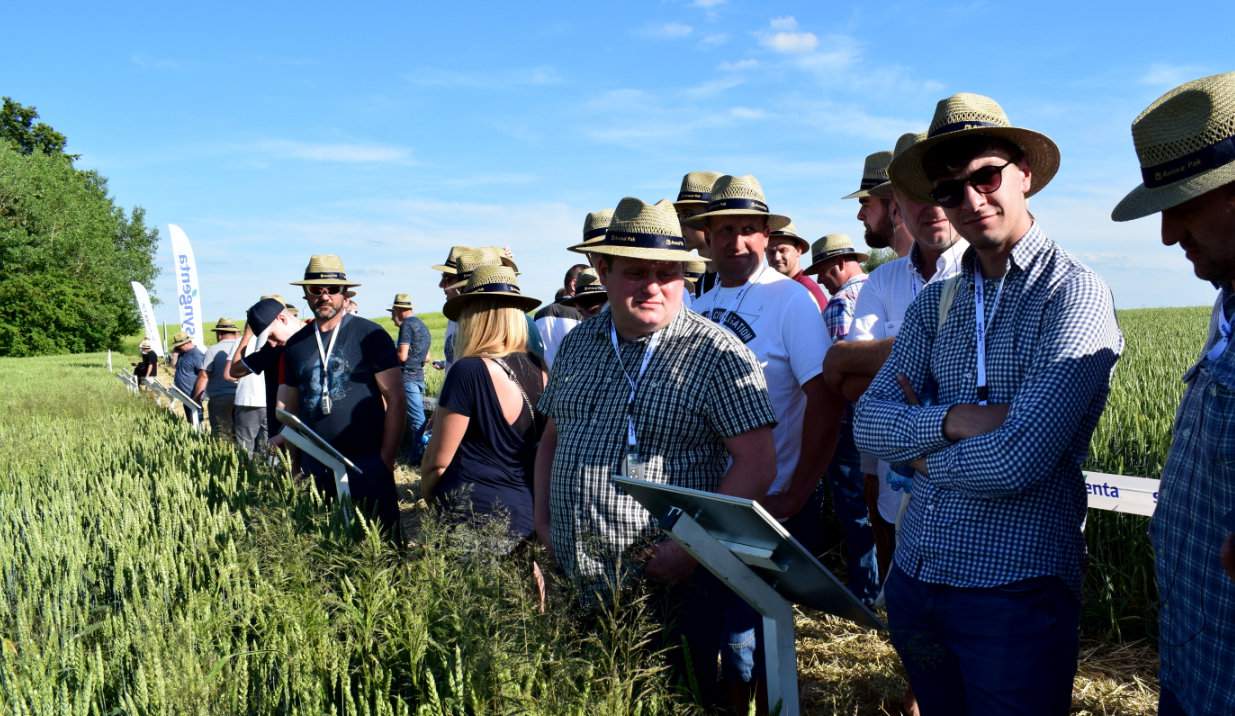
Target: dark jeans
column 1010, row 649
column 373, row 488
column 702, row 614
column 414, row 391
column 221, row 415
column 848, row 486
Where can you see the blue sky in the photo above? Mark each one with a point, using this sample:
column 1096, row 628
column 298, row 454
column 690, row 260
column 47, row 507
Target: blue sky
column 385, row 132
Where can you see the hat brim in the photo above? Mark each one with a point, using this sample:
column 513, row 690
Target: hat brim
column 231, row 329
column 689, row 202
column 445, row 269
column 800, row 242
column 816, row 265
column 775, row 221
column 585, row 298
column 881, row 191
column 325, row 282
column 860, row 193
column 399, row 307
column 181, row 343
column 454, row 306
column 1143, row 201
column 635, row 252
column 1041, row 152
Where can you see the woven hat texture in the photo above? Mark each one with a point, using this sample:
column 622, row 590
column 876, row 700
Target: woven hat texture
column 874, row 173
column 642, row 231
column 829, row 247
column 325, row 270
column 738, row 196
column 696, row 188
column 490, row 282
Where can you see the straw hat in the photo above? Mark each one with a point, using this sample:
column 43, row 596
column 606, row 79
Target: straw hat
column 144, row 346
column 694, row 270
column 906, row 140
column 224, row 325
column 1185, row 141
column 696, row 188
column 642, row 231
column 738, row 196
column 791, row 232
column 452, row 260
column 964, row 115
column 402, row 300
column 325, row 270
column 472, row 259
column 829, row 247
column 588, row 289
column 595, row 224
column 493, row 283
column 180, row 339
column 874, row 173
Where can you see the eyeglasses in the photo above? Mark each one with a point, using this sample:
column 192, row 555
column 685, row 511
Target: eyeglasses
column 986, row 180
column 322, row 290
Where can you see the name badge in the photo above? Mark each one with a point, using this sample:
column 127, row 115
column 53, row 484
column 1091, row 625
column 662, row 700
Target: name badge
column 634, row 466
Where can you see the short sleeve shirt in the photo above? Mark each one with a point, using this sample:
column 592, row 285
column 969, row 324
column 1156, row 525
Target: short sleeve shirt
column 187, row 366
column 701, row 386
column 217, row 386
column 355, row 421
column 414, row 334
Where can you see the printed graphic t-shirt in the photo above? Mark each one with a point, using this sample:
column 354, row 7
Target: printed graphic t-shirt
column 780, row 323
column 415, row 335
column 363, row 349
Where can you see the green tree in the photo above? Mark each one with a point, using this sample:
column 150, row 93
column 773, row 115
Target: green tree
column 17, row 125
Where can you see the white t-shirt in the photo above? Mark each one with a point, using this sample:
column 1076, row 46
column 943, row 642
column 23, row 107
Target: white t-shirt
column 251, row 390
column 779, row 321
column 552, row 330
column 880, row 311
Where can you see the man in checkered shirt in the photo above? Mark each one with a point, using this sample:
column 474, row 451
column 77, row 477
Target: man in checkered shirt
column 1186, row 143
column 1012, row 359
column 695, row 398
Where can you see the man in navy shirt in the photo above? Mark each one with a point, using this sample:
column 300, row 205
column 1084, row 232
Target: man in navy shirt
column 413, row 351
column 342, row 378
column 189, row 360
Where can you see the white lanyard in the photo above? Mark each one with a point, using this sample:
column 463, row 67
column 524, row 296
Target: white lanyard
column 741, row 297
column 633, row 383
column 325, row 356
column 981, row 325
column 1224, row 336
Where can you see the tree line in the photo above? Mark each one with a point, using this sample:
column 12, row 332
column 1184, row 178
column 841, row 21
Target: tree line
column 67, row 250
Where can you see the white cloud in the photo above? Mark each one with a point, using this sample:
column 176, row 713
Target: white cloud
column 790, row 43
column 707, row 4
column 715, row 39
column 537, row 76
column 747, row 113
column 333, row 152
column 784, row 24
column 712, row 87
column 1168, row 75
column 667, row 31
column 739, row 66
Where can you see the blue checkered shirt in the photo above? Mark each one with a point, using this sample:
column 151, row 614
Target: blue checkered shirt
column 838, row 314
column 1010, row 504
column 1197, row 612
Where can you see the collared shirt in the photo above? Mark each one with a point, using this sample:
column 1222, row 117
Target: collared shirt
column 701, row 387
column 779, row 322
column 1010, row 504
column 890, row 289
column 1197, row 613
column 885, row 297
column 838, row 315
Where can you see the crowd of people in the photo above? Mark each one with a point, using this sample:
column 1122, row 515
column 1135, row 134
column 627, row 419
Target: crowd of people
column 944, row 402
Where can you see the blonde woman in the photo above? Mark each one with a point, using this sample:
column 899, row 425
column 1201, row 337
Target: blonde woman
column 486, row 429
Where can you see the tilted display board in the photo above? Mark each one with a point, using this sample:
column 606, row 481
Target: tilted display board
column 303, row 437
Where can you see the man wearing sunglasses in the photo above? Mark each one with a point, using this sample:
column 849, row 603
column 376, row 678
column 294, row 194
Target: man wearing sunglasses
column 343, row 379
column 1015, row 354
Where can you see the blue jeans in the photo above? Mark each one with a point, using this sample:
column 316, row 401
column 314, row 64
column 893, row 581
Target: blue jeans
column 1010, row 649
column 414, row 391
column 848, row 486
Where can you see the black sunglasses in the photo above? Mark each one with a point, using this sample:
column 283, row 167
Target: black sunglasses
column 319, row 290
column 951, row 192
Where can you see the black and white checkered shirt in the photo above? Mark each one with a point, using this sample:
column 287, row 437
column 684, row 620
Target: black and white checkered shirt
column 701, row 387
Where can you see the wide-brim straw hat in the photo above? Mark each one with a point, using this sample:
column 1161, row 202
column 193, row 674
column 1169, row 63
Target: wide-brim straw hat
column 639, row 230
column 472, row 259
column 595, row 224
column 224, row 325
column 493, row 283
column 452, row 260
column 696, row 188
column 144, row 346
column 738, row 196
column 829, row 247
column 966, row 115
column 874, row 173
column 1185, row 142
column 789, row 231
column 325, row 270
column 906, row 140
column 400, row 302
column 694, row 270
column 180, row 339
column 588, row 289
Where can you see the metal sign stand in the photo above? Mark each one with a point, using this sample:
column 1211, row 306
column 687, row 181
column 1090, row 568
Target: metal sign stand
column 303, row 437
column 195, row 408
column 130, row 381
column 751, row 553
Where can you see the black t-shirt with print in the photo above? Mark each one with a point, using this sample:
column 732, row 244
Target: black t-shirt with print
column 357, row 414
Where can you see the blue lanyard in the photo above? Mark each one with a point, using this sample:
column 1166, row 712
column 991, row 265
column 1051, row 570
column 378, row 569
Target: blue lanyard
column 981, row 325
column 1224, row 336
